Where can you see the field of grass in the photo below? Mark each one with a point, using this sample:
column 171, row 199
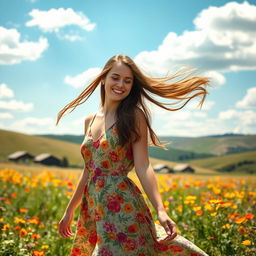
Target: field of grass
column 215, row 212
column 221, row 161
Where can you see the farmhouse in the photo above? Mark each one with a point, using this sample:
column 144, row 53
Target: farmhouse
column 183, row 168
column 47, row 159
column 161, row 168
column 20, row 156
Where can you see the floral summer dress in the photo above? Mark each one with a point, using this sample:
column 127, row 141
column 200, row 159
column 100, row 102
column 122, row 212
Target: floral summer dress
column 114, row 218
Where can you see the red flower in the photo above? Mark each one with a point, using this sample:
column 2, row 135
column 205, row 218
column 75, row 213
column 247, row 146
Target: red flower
column 140, row 217
column 113, row 156
column 93, row 237
column 96, row 144
column 119, row 199
column 161, row 247
column 176, row 248
column 76, row 251
column 114, row 206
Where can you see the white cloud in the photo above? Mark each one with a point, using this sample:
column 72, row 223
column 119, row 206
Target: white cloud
column 82, row 79
column 6, row 92
column 16, row 105
column 6, row 116
column 223, row 40
column 70, row 37
column 54, row 19
column 249, row 100
column 217, row 79
column 13, row 51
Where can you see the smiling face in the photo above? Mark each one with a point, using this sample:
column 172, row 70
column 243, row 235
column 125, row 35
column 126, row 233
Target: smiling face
column 118, row 82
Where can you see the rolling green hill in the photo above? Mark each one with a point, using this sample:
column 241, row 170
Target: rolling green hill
column 208, row 145
column 240, row 162
column 217, row 145
column 35, row 145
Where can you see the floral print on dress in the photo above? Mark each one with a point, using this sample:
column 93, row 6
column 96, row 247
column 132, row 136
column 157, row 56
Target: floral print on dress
column 114, row 218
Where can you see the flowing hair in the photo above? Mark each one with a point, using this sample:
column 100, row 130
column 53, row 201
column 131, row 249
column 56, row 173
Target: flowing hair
column 142, row 87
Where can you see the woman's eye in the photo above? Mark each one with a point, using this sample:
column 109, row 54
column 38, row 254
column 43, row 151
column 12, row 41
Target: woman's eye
column 114, row 78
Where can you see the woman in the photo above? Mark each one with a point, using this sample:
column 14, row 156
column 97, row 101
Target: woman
column 114, row 219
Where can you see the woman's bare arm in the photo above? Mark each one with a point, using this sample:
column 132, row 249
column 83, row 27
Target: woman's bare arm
column 148, row 179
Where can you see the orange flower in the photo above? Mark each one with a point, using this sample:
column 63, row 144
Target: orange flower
column 247, row 242
column 112, row 235
column 128, row 208
column 81, row 231
column 38, row 253
column 23, row 232
column 17, row 227
column 249, row 216
column 133, row 228
column 122, row 186
column 104, row 144
column 91, row 201
column 240, row 220
column 199, row 213
column 6, row 226
column 105, row 164
column 23, row 210
column 87, row 154
column 35, row 236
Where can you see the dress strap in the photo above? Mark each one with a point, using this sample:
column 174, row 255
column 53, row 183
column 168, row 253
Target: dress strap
column 93, row 120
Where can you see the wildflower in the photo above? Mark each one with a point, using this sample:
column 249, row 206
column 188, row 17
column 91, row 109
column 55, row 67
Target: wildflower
column 226, row 226
column 6, row 226
column 247, row 242
column 23, row 232
column 22, row 210
column 38, row 253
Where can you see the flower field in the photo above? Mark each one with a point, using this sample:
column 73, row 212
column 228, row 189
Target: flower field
column 217, row 213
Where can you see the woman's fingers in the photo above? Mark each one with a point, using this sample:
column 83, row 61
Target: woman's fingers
column 171, row 230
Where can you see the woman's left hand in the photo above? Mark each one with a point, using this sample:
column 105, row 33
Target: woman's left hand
column 168, row 224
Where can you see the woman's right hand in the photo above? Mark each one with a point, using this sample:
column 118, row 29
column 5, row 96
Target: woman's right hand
column 65, row 223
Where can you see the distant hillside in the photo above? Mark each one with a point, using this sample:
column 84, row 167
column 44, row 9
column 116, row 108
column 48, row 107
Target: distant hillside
column 239, row 162
column 35, row 145
column 183, row 146
column 173, row 154
column 217, row 145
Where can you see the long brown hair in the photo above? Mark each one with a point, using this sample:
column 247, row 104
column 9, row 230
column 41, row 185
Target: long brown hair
column 142, row 86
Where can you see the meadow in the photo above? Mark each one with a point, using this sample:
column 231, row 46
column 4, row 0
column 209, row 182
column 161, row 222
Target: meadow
column 217, row 213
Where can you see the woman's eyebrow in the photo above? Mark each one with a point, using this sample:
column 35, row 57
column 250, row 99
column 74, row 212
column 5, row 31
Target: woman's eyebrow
column 119, row 75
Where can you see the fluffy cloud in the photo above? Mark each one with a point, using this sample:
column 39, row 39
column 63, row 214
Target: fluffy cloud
column 16, row 105
column 6, row 116
column 5, row 92
column 249, row 100
column 54, row 19
column 223, row 40
column 13, row 51
column 82, row 79
column 240, row 121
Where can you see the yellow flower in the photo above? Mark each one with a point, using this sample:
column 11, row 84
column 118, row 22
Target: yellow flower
column 19, row 220
column 45, row 246
column 6, row 226
column 247, row 242
column 226, row 226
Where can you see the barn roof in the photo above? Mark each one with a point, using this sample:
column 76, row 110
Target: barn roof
column 180, row 167
column 17, row 154
column 42, row 156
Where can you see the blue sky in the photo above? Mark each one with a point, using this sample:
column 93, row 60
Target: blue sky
column 50, row 50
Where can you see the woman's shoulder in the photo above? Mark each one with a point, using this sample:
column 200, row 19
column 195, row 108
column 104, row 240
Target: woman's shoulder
column 139, row 115
column 87, row 121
